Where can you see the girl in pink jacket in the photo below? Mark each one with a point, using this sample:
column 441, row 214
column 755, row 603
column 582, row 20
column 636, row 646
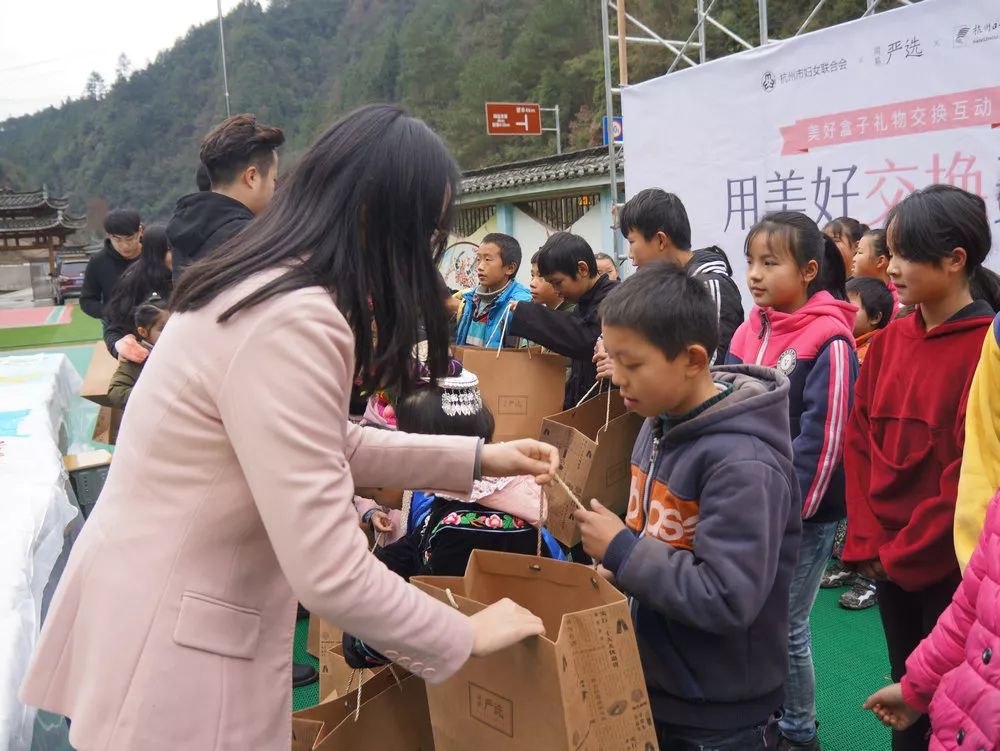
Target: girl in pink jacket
column 954, row 674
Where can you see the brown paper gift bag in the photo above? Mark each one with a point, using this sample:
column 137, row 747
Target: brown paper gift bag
column 335, row 675
column 312, row 639
column 99, row 374
column 595, row 444
column 520, row 386
column 393, row 716
column 109, row 420
column 578, row 688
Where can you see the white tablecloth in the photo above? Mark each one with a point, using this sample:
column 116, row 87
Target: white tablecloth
column 37, row 393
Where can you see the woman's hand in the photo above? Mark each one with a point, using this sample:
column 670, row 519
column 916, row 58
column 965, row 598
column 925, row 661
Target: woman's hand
column 891, row 709
column 522, row 457
column 501, row 625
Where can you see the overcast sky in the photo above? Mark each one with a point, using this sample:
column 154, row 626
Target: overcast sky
column 49, row 47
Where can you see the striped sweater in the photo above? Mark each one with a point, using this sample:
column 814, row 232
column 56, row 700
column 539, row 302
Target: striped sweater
column 814, row 347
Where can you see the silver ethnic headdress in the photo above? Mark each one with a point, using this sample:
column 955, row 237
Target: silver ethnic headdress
column 460, row 394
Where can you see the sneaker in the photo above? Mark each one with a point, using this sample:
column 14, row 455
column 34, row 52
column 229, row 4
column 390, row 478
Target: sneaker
column 837, row 575
column 861, row 596
column 303, row 675
column 787, row 744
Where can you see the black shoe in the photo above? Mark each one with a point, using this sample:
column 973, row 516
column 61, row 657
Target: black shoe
column 303, row 675
column 302, row 613
column 786, row 744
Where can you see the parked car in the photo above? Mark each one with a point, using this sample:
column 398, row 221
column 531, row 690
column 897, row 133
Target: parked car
column 68, row 280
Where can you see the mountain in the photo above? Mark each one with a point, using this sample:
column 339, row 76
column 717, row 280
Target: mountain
column 302, row 63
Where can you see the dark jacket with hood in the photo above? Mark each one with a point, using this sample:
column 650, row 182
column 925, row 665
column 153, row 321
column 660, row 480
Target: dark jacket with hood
column 711, row 267
column 201, row 223
column 100, row 279
column 572, row 335
column 712, row 540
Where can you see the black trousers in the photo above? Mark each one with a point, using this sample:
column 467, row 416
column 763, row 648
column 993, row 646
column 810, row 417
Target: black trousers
column 907, row 617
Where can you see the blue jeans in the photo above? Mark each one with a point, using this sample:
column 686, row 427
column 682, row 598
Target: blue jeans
column 760, row 737
column 798, row 723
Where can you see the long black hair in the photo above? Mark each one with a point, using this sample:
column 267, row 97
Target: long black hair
column 797, row 235
column 929, row 224
column 148, row 276
column 423, row 412
column 365, row 214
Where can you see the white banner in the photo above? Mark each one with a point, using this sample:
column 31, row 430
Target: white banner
column 845, row 121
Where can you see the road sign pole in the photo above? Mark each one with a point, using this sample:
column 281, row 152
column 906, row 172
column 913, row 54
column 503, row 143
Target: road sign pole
column 557, row 130
column 558, row 133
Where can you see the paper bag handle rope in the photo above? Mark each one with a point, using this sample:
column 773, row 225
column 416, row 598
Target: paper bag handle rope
column 502, row 325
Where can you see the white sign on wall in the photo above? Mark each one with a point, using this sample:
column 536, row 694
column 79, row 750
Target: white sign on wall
column 845, row 121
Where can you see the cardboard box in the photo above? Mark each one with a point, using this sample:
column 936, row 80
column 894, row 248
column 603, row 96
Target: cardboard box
column 580, row 687
column 594, row 459
column 99, row 374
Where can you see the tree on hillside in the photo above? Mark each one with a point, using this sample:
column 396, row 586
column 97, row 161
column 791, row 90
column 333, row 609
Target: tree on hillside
column 95, row 87
column 123, row 69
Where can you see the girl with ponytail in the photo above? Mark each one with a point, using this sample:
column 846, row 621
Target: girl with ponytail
column 908, row 430
column 804, row 327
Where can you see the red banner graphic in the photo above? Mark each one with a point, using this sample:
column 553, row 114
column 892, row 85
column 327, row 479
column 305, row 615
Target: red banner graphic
column 963, row 109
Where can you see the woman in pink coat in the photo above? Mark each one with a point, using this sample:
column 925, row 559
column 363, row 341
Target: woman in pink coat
column 230, row 493
column 954, row 675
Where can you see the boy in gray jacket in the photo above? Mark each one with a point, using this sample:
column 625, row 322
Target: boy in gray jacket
column 711, row 536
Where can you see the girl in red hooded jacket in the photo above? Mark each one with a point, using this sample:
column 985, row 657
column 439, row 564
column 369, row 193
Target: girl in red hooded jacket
column 907, row 431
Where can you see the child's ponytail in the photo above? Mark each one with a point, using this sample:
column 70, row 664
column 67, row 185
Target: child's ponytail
column 985, row 285
column 832, row 276
column 796, row 234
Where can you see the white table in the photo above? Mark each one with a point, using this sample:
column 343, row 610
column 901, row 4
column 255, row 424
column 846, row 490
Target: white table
column 37, row 393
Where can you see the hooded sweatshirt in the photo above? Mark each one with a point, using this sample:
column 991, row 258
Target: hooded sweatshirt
column 814, row 347
column 711, row 267
column 201, row 223
column 100, row 279
column 904, row 445
column 713, row 536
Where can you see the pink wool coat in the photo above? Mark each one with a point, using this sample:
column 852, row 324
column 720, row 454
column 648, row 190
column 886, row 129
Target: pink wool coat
column 955, row 672
column 229, row 497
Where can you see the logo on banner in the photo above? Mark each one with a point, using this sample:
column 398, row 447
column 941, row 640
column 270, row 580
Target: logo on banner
column 768, row 82
column 966, row 34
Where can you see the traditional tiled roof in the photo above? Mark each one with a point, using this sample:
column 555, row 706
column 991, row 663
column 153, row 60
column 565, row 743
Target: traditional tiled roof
column 572, row 165
column 52, row 220
column 30, row 201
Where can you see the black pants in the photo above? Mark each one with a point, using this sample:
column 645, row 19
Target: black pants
column 907, row 617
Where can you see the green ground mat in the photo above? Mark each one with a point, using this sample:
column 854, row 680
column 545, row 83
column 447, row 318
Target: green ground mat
column 81, row 329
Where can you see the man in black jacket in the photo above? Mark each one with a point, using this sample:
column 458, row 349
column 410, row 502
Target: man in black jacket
column 567, row 262
column 241, row 159
column 121, row 248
